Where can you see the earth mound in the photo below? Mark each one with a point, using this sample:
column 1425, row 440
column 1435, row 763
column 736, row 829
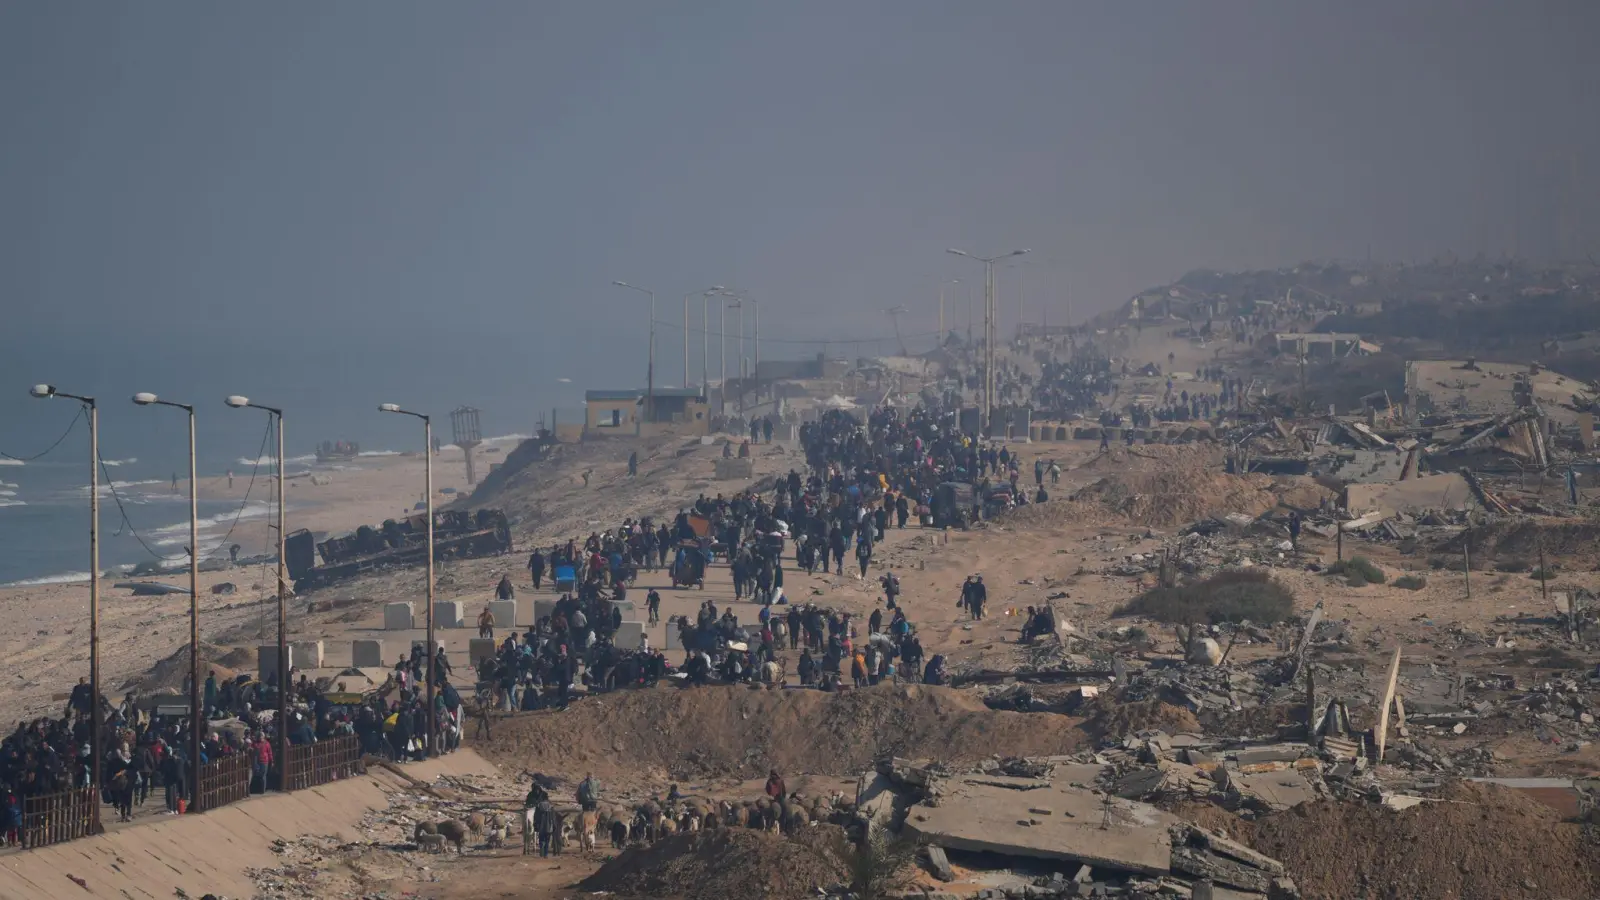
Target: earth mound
column 1482, row 841
column 1573, row 544
column 712, row 731
column 169, row 674
column 727, row 862
column 1165, row 499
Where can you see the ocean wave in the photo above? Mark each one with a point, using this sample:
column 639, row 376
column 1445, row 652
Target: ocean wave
column 5, row 501
column 63, row 578
column 379, row 453
column 498, row 439
column 8, row 493
column 119, row 462
column 273, row 460
column 7, row 484
column 177, row 534
column 120, row 485
column 7, row 461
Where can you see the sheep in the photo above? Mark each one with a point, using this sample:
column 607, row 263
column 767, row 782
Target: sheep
column 454, row 832
column 475, row 823
column 798, row 819
column 433, row 843
column 529, row 839
column 619, row 834
column 421, row 829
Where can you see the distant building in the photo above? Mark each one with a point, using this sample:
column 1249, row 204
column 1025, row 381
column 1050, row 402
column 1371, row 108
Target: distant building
column 1325, row 344
column 625, row 412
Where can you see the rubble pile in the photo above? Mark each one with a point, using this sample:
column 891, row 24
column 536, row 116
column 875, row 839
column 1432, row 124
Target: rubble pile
column 1471, row 841
column 728, row 862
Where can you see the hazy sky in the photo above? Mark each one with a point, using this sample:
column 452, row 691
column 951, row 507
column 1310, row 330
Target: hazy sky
column 329, row 205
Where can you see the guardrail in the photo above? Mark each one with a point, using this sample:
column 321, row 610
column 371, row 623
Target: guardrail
column 60, row 817
column 310, row 765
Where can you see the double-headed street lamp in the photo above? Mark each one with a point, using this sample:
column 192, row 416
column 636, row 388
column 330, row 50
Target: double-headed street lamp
column 650, row 372
column 282, row 748
column 704, row 338
column 427, row 456
column 988, row 329
column 45, row 391
column 195, row 712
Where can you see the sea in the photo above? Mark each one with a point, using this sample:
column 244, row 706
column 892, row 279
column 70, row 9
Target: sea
column 44, row 511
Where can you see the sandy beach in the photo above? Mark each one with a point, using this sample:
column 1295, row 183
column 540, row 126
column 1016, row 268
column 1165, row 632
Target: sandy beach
column 48, row 646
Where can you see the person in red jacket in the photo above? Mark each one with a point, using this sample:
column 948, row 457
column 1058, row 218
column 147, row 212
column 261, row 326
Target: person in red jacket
column 263, row 760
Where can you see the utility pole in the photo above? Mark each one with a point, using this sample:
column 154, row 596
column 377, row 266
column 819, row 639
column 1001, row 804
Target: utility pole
column 987, row 407
column 650, row 372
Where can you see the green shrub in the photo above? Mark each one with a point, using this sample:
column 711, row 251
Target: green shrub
column 1355, row 577
column 1369, row 571
column 1411, row 582
column 1547, row 573
column 1512, row 564
column 1232, row 596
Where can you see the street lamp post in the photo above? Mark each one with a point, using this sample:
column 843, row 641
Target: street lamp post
column 282, row 744
column 988, row 330
column 942, row 286
column 703, row 295
column 45, row 391
column 427, row 455
column 650, row 372
column 195, row 713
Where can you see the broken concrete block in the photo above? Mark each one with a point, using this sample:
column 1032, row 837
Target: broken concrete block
column 628, row 635
column 448, row 614
column 939, row 863
column 267, row 662
column 366, row 653
column 397, row 617
column 1201, row 864
column 479, row 649
column 504, row 612
column 305, row 654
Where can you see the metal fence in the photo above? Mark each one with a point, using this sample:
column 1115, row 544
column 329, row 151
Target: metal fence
column 65, row 816
column 224, row 781
column 310, row 765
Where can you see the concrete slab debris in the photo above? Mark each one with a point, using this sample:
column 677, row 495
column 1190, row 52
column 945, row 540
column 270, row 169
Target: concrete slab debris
column 1120, row 835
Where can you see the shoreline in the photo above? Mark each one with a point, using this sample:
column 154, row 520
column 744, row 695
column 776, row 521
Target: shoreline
column 49, row 650
column 358, row 492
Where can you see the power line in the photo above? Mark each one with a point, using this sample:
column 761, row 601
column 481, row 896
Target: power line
column 70, row 426
column 127, row 523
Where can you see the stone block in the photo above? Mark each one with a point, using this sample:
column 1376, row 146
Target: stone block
column 543, row 609
column 305, row 654
column 672, row 641
column 398, row 617
column 267, row 662
column 505, row 613
column 448, row 613
column 479, row 649
column 627, row 637
column 366, row 653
